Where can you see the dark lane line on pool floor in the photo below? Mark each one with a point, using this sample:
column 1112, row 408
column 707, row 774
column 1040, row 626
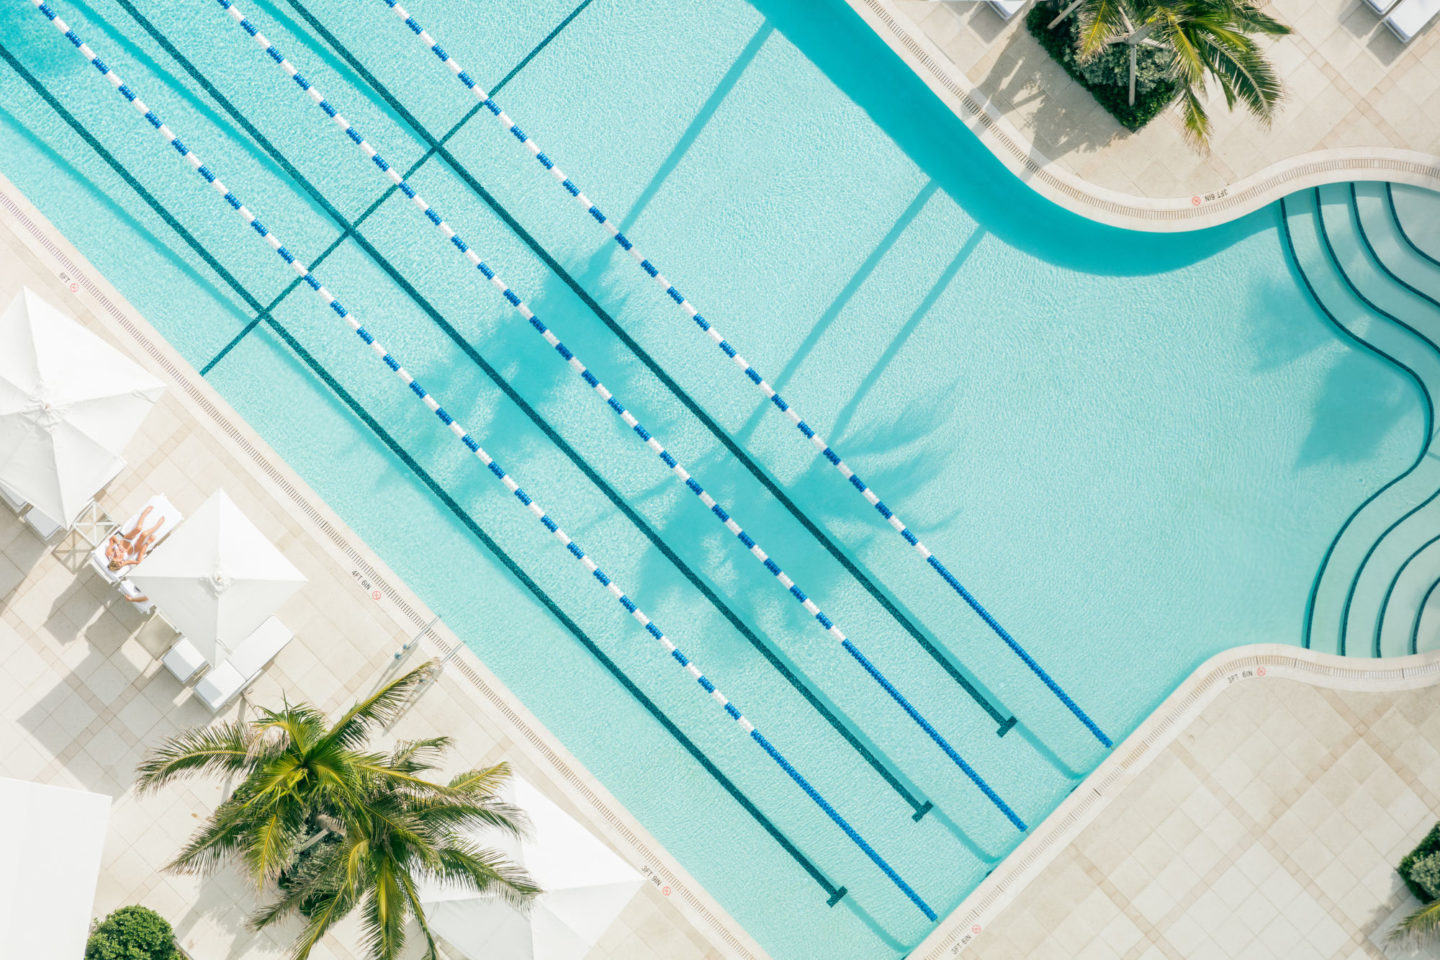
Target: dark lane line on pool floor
column 833, row 893
column 842, row 725
column 350, row 229
column 986, row 700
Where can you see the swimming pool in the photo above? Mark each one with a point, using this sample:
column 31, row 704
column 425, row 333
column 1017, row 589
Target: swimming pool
column 1134, row 449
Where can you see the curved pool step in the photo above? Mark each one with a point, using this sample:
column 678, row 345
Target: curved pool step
column 1417, row 212
column 1354, row 254
column 1404, row 267
column 1324, row 244
column 1391, row 244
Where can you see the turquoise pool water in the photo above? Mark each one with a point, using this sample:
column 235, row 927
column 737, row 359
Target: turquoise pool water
column 1134, row 449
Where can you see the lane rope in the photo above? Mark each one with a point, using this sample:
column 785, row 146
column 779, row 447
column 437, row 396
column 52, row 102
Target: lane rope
column 675, row 467
column 475, row 448
column 809, row 432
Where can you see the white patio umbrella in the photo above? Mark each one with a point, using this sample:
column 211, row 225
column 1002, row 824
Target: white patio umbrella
column 69, row 402
column 54, row 843
column 586, row 887
column 217, row 577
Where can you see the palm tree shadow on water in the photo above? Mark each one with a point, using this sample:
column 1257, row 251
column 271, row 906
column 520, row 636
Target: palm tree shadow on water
column 859, row 63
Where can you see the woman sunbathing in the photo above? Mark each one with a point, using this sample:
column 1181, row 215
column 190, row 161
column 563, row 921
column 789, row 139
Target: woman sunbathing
column 127, row 549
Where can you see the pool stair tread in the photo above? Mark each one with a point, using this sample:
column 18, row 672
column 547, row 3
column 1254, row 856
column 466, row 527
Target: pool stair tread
column 1357, row 258
column 1342, row 594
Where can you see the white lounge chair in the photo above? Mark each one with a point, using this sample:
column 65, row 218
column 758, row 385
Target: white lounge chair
column 1008, row 8
column 161, row 507
column 12, row 499
column 45, row 528
column 130, row 592
column 1381, row 7
column 183, row 660
column 224, row 682
column 1410, row 17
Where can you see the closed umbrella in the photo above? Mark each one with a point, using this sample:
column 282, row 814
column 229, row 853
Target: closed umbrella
column 586, row 887
column 69, row 403
column 217, row 577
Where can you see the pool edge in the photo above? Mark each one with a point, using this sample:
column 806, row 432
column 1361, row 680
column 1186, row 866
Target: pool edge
column 1252, row 662
column 562, row 772
column 1019, row 154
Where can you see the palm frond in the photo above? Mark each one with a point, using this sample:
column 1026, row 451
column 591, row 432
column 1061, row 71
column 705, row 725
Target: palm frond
column 224, row 834
column 1196, row 120
column 414, row 756
column 1102, row 22
column 385, row 911
column 1420, row 925
column 378, row 709
column 1245, row 75
column 222, row 748
column 487, row 871
column 417, row 910
column 439, row 813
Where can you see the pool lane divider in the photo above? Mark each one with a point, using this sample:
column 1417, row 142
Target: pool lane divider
column 1004, row 724
column 479, row 452
column 677, row 470
column 348, row 229
column 833, row 893
column 918, row 806
column 809, row 432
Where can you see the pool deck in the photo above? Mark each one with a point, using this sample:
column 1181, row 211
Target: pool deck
column 1356, row 109
column 1258, row 813
column 83, row 692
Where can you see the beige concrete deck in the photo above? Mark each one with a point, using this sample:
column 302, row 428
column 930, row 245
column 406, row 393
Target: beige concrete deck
column 1258, row 814
column 82, row 692
column 1356, row 109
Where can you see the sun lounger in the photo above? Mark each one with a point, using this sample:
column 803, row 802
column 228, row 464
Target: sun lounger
column 1381, row 7
column 223, row 683
column 1410, row 17
column 45, row 528
column 129, row 591
column 12, row 499
column 1008, row 8
column 161, row 507
column 183, row 660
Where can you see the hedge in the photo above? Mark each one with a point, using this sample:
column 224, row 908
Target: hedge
column 1155, row 91
column 132, row 933
column 1407, row 869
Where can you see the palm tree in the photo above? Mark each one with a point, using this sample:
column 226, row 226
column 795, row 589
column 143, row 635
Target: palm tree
column 1420, row 926
column 302, row 781
column 1205, row 39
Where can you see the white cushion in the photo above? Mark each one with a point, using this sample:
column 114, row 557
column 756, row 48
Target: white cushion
column 42, row 524
column 13, row 499
column 1411, row 16
column 220, row 685
column 183, row 660
column 262, row 646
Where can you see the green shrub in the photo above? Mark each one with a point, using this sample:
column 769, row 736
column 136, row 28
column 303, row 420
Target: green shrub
column 1425, row 851
column 132, row 933
column 1426, row 874
column 1107, row 76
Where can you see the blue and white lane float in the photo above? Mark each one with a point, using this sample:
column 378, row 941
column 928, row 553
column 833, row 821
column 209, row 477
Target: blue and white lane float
column 677, row 469
column 460, row 433
column 760, row 383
